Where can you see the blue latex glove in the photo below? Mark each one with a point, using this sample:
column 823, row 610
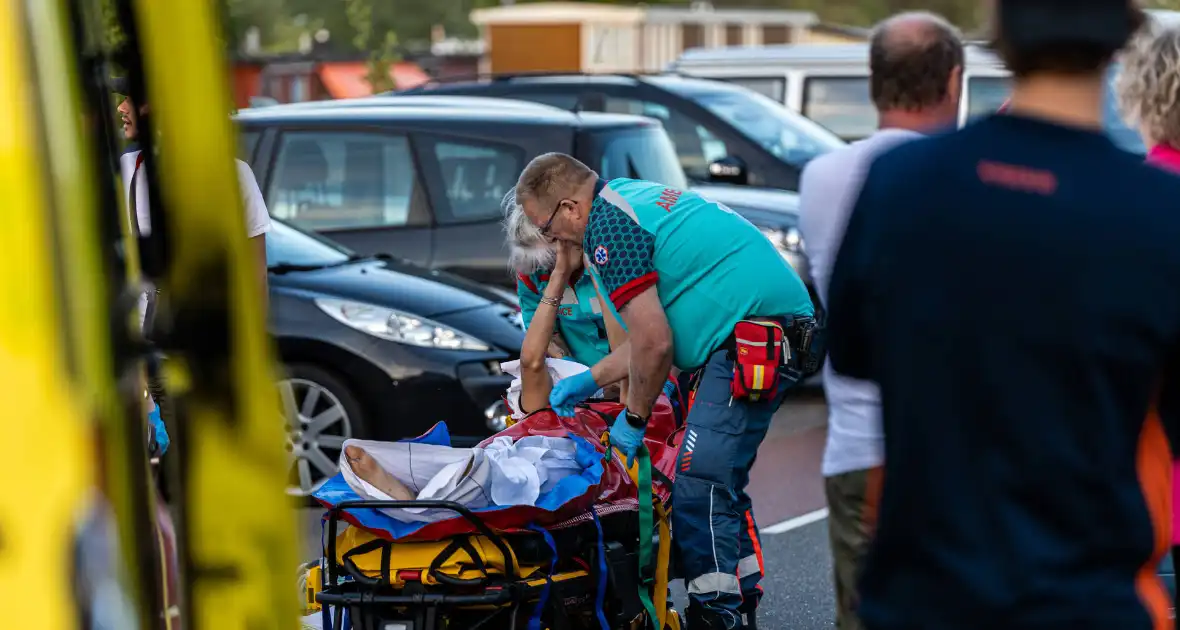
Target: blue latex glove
column 570, row 391
column 670, row 389
column 159, row 431
column 625, row 437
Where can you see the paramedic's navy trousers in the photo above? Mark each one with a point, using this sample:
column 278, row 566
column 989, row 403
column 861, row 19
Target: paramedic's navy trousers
column 715, row 533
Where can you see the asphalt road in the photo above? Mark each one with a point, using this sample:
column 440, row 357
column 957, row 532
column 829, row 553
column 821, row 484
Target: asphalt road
column 785, row 484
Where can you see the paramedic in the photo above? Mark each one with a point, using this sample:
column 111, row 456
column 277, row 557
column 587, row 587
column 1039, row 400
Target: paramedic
column 1149, row 88
column 683, row 272
column 587, row 327
column 1027, row 380
column 916, row 64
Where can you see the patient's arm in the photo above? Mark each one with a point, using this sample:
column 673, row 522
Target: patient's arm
column 368, row 469
column 535, row 381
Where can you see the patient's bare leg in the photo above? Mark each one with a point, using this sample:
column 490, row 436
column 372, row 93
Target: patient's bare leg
column 368, row 469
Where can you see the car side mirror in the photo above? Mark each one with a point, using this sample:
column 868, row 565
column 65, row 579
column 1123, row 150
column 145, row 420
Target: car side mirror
column 729, row 170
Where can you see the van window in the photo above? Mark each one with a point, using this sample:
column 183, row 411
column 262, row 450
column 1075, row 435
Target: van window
column 842, row 104
column 985, row 95
column 770, row 87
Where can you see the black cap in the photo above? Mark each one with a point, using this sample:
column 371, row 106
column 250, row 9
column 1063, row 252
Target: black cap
column 1030, row 23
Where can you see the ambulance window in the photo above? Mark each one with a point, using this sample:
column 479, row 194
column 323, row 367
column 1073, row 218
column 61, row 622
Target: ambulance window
column 842, row 104
column 985, row 95
column 345, row 180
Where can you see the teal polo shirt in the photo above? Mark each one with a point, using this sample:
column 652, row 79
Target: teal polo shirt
column 711, row 267
column 579, row 318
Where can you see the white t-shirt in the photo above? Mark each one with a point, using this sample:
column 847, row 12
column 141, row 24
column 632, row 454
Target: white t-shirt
column 257, row 217
column 828, row 190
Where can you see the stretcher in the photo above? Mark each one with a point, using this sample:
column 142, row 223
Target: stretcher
column 604, row 566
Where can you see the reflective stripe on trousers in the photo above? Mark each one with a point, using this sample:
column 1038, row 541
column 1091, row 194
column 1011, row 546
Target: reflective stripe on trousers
column 716, row 535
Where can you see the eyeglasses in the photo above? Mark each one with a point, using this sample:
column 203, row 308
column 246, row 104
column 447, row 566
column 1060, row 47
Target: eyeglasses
column 549, row 223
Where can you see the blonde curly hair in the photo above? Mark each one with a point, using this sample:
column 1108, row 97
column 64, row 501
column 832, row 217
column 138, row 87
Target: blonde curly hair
column 1148, row 84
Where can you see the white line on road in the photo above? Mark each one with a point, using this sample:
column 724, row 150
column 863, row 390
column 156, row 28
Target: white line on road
column 797, row 522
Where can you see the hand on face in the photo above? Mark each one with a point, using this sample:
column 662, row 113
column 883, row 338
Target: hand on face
column 569, row 258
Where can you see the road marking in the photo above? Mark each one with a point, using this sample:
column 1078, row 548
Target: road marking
column 797, row 522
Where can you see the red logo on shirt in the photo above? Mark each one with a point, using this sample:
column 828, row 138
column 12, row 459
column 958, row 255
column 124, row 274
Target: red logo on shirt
column 668, row 199
column 1017, row 177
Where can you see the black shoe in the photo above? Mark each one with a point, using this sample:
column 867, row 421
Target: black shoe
column 704, row 619
column 749, row 612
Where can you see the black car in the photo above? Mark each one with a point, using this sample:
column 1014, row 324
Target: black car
column 425, row 181
column 377, row 348
column 722, row 132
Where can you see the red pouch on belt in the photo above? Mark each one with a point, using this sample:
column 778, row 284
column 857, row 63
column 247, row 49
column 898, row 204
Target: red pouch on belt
column 759, row 348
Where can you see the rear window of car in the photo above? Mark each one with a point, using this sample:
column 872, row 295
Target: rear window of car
column 640, row 152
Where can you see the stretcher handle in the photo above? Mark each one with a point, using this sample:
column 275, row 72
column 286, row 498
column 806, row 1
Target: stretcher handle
column 461, row 510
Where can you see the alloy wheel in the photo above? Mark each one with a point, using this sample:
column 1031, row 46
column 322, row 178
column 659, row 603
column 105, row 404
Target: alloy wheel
column 317, row 425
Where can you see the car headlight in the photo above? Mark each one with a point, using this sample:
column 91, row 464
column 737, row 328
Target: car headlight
column 788, row 240
column 398, row 326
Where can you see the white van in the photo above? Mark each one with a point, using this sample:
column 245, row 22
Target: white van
column 829, row 83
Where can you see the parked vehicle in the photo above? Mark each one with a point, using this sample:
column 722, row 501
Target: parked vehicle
column 378, row 348
column 426, row 183
column 829, row 83
column 722, row 132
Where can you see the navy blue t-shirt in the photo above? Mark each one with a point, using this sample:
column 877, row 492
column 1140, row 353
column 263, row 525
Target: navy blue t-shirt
column 1014, row 288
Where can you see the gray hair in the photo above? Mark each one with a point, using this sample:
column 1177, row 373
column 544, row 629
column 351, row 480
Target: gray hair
column 1148, row 84
column 528, row 249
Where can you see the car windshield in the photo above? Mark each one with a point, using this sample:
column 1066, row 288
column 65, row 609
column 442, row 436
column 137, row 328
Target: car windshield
column 641, row 153
column 789, row 136
column 287, row 245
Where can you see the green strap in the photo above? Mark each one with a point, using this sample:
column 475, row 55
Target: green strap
column 646, row 530
column 646, row 533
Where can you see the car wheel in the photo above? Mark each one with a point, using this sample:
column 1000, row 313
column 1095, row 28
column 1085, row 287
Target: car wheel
column 321, row 413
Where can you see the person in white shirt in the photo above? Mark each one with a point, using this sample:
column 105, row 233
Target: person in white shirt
column 257, row 217
column 916, row 62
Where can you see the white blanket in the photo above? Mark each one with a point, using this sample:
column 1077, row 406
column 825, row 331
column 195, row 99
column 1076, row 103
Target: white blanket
column 558, row 369
column 502, row 473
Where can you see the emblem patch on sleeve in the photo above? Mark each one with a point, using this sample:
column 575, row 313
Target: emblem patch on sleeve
column 601, row 256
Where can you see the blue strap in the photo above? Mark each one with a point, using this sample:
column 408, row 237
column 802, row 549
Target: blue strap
column 535, row 620
column 325, row 610
column 600, row 597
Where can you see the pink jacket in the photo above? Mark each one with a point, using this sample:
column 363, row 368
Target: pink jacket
column 1167, row 157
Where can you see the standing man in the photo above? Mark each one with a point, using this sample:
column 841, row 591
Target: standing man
column 1014, row 290
column 916, row 64
column 685, row 273
column 131, row 165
